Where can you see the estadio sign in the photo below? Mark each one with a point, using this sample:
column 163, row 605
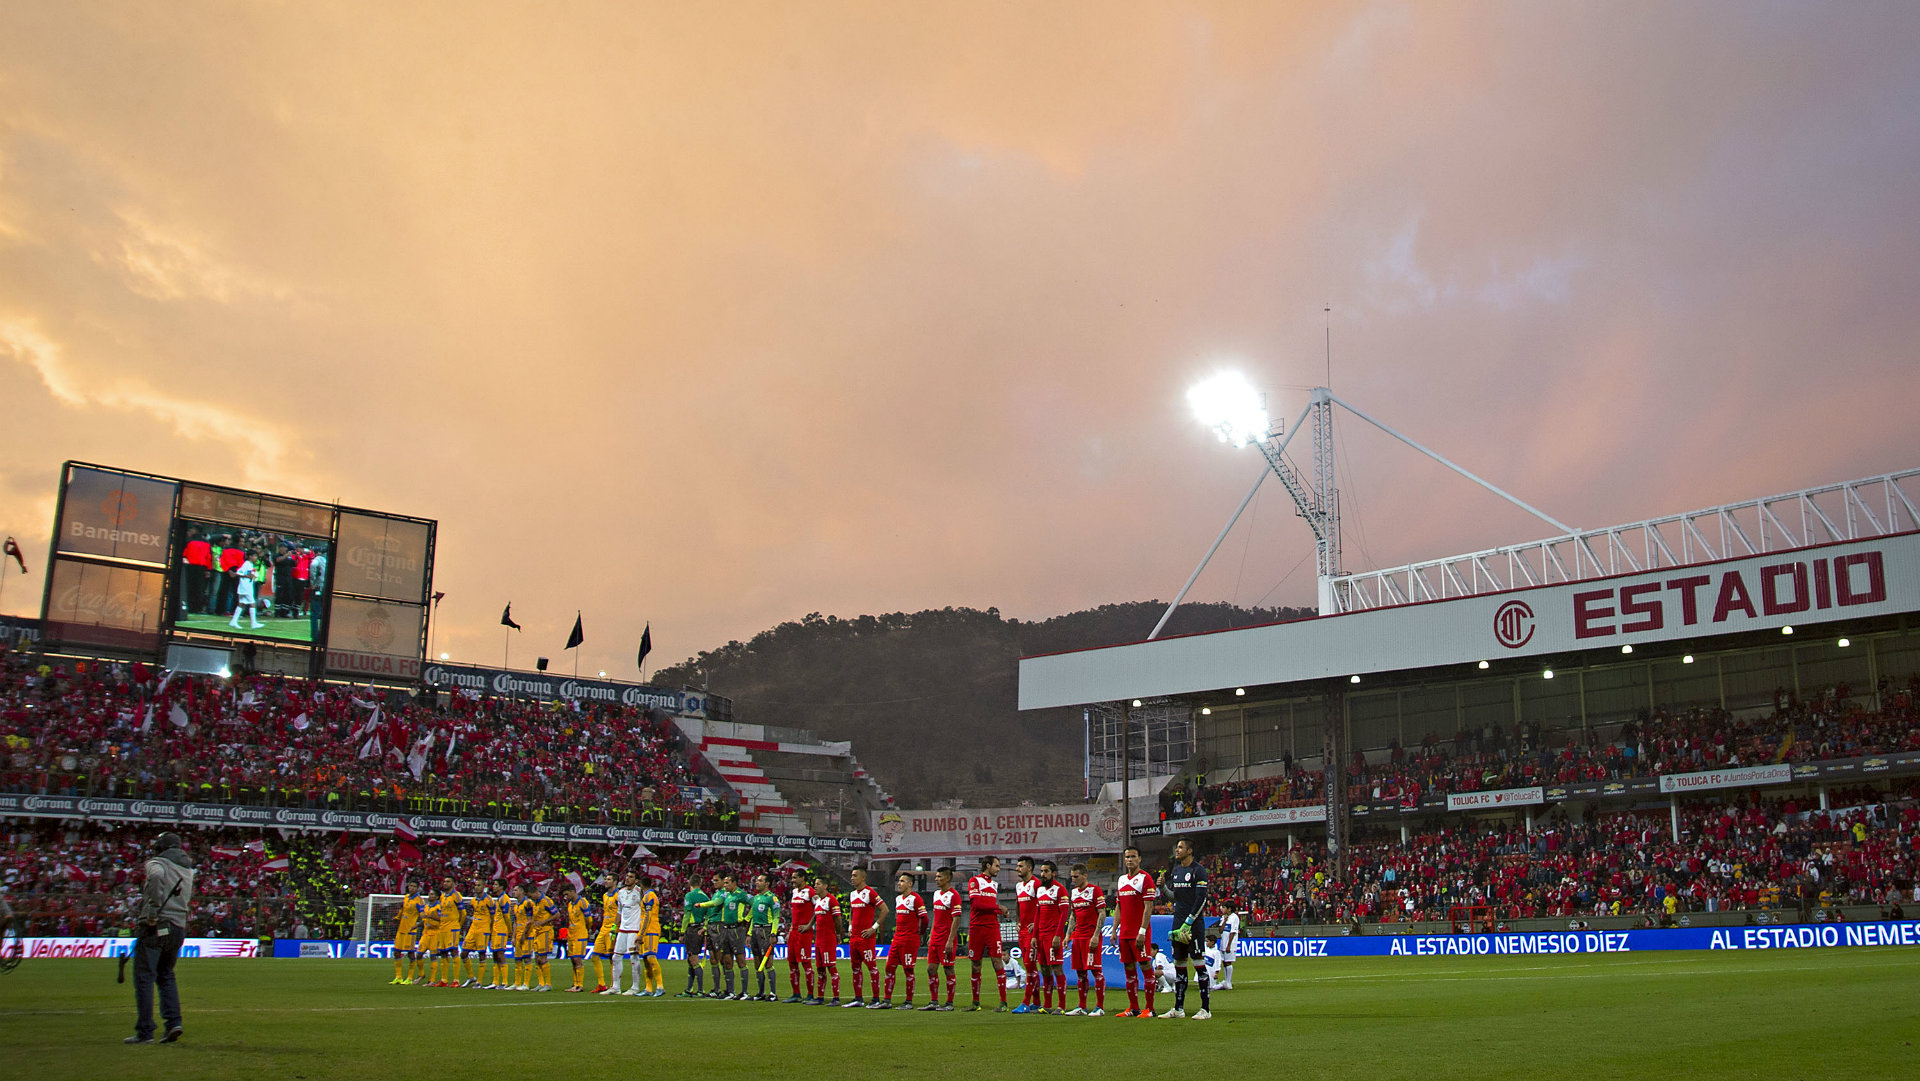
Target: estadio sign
column 1853, row 580
column 1064, row 830
column 1639, row 940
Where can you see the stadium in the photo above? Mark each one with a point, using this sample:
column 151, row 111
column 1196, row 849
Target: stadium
column 337, row 330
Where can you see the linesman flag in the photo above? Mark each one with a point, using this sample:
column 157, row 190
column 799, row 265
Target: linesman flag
column 646, row 644
column 578, row 636
column 13, row 552
column 506, row 617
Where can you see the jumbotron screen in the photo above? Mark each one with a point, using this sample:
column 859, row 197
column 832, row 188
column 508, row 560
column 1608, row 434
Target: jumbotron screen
column 250, row 583
column 140, row 557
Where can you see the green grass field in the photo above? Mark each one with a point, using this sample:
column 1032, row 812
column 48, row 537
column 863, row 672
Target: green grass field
column 1788, row 1014
column 290, row 630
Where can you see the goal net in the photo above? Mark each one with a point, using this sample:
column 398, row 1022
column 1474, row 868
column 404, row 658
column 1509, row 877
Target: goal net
column 376, row 918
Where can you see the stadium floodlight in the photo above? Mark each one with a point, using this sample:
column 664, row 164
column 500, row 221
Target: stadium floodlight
column 1688, row 659
column 1239, row 692
column 1845, row 642
column 1626, row 649
column 1229, row 405
column 1548, row 674
column 1136, row 703
column 1484, row 666
column 1207, row 711
column 1786, row 630
column 1353, row 679
column 444, row 656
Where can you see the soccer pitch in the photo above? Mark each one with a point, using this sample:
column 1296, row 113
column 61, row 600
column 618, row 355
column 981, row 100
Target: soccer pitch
column 1791, row 1014
column 296, row 629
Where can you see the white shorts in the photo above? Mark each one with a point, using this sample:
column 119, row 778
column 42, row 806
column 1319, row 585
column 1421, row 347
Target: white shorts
column 626, row 942
column 1228, row 945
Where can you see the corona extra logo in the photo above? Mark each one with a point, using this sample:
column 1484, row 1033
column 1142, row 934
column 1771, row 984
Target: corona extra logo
column 120, row 507
column 1513, row 624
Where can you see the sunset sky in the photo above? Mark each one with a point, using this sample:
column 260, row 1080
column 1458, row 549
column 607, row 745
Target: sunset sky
column 715, row 315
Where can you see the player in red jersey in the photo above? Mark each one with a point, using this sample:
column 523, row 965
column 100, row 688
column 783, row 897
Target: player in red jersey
column 800, row 937
column 1132, row 933
column 1050, row 897
column 1026, row 913
column 942, row 938
column 864, row 910
column 983, row 927
column 826, row 940
column 1089, row 907
column 909, row 911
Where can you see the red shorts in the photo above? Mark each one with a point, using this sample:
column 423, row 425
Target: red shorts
column 903, row 950
column 983, row 940
column 1130, row 950
column 1047, row 948
column 826, row 948
column 1086, row 952
column 860, row 951
column 799, row 947
column 937, row 953
column 1026, row 945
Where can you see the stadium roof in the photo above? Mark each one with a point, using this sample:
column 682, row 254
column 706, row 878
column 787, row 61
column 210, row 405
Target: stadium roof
column 1812, row 584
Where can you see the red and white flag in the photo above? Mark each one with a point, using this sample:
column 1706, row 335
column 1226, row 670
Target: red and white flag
column 178, row 716
column 417, row 760
column 655, row 870
column 694, row 856
column 573, row 878
column 255, row 846
column 791, row 865
column 403, row 829
column 300, row 723
column 278, row 863
column 225, row 852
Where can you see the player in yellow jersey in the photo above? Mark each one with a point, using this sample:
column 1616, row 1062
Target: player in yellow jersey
column 474, row 950
column 649, row 945
column 522, row 914
column 609, row 928
column 500, row 936
column 545, row 913
column 444, row 914
column 577, row 910
column 406, row 935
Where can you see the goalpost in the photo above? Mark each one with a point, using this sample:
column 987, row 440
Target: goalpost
column 376, row 918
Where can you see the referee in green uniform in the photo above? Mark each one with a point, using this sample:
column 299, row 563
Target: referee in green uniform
column 763, row 929
column 694, row 910
column 727, row 935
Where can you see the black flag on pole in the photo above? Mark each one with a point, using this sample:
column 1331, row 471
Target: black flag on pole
column 646, row 645
column 578, row 636
column 506, row 617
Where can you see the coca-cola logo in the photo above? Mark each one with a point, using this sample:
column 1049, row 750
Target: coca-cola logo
column 117, row 608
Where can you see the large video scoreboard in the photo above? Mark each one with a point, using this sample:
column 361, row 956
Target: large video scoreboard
column 140, row 561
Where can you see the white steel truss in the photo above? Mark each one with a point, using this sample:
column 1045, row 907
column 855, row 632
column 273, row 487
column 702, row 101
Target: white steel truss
column 1851, row 510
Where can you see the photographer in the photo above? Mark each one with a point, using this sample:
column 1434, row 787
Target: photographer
column 161, row 922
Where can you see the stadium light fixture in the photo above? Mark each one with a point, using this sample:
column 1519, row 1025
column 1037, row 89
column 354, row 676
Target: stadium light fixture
column 1484, row 665
column 225, row 672
column 1548, row 674
column 1136, row 703
column 1206, row 711
column 1688, row 659
column 1626, row 649
column 1229, row 405
column 1786, row 630
column 1845, row 642
column 1239, row 692
column 603, row 675
column 443, row 656
column 1353, row 679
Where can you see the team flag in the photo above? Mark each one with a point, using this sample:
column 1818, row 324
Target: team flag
column 694, row 856
column 506, row 617
column 646, row 644
column 178, row 716
column 403, row 830
column 578, row 636
column 278, row 863
column 255, row 846
column 14, row 553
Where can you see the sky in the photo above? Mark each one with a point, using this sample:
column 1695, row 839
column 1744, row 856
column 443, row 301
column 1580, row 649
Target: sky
column 712, row 316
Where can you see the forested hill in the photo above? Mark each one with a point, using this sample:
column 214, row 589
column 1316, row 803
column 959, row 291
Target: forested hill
column 928, row 698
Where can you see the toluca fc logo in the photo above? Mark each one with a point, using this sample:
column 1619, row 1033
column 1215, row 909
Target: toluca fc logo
column 120, row 507
column 1513, row 624
column 376, row 631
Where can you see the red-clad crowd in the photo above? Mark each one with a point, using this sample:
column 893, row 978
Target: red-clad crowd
column 1742, row 853
column 130, row 730
column 1831, row 724
column 81, row 879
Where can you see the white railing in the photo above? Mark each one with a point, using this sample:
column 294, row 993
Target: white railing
column 1852, row 510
